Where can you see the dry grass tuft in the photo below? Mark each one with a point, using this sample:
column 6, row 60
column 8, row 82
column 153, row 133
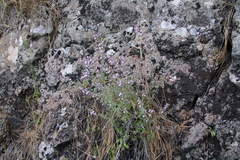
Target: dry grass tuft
column 21, row 7
column 99, row 138
column 25, row 142
column 95, row 137
column 224, row 52
column 15, row 12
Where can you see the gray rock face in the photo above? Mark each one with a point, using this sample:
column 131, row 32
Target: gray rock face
column 234, row 68
column 4, row 132
column 196, row 133
column 189, row 49
column 227, row 134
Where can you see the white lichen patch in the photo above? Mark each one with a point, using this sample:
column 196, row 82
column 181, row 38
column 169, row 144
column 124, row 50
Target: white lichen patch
column 67, row 70
column 233, row 78
column 20, row 43
column 193, row 32
column 173, row 78
column 168, row 25
column 208, row 4
column 176, row 2
column 110, row 52
column 39, row 30
column 129, row 30
column 12, row 54
column 44, row 150
column 63, row 111
column 182, row 32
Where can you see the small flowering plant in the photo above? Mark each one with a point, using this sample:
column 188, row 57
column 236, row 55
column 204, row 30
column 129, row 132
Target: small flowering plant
column 125, row 105
column 128, row 101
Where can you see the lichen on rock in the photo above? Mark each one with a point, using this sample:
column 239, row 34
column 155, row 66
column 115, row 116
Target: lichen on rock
column 185, row 51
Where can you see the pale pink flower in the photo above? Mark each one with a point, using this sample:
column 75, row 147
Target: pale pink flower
column 93, row 113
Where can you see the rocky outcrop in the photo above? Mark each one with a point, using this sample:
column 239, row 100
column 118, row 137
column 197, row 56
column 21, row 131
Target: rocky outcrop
column 188, row 50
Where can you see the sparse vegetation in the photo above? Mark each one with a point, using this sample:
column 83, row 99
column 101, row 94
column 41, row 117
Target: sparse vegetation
column 24, row 145
column 116, row 107
column 26, row 42
column 131, row 119
column 212, row 133
column 36, row 92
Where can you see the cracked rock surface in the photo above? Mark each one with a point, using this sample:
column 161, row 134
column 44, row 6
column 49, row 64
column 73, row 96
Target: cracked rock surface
column 177, row 45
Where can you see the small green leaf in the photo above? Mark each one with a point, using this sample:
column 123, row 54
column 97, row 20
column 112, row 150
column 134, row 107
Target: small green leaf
column 211, row 132
column 125, row 145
